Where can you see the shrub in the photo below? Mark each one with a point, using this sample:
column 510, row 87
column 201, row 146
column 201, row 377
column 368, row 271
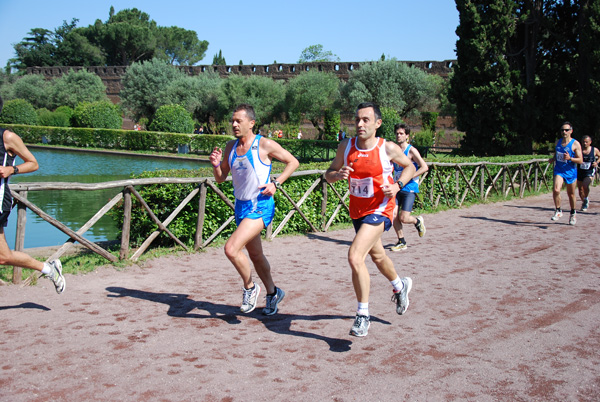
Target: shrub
column 66, row 110
column 389, row 117
column 101, row 114
column 52, row 119
column 74, row 88
column 422, row 139
column 428, row 120
column 172, row 119
column 331, row 124
column 19, row 111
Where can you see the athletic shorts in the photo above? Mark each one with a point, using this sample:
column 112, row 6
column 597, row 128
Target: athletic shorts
column 405, row 200
column 581, row 175
column 567, row 177
column 4, row 219
column 265, row 210
column 374, row 220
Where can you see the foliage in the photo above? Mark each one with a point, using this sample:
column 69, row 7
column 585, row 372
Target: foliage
column 74, row 88
column 484, row 87
column 143, row 85
column 199, row 94
column 422, row 139
column 218, row 59
column 172, row 119
column 18, row 111
column 101, row 114
column 263, row 93
column 32, row 87
column 524, row 67
column 428, row 120
column 309, row 95
column 180, row 46
column 53, row 119
column 389, row 118
column 126, row 37
column 35, row 50
column 331, row 124
column 390, row 84
column 315, row 53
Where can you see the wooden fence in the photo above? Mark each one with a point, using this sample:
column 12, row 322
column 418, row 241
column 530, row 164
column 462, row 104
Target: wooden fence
column 446, row 183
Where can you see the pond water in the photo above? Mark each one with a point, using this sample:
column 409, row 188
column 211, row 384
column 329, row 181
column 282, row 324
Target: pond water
column 75, row 208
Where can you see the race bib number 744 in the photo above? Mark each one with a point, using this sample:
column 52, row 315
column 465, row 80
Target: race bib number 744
column 362, row 188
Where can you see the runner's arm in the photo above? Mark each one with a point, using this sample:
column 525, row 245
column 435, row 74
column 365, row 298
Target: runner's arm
column 337, row 169
column 416, row 156
column 14, row 144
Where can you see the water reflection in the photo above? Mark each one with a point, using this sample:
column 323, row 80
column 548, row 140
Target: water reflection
column 75, row 208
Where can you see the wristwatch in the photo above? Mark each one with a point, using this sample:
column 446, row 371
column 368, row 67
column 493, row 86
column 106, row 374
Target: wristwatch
column 16, row 170
column 400, row 184
column 277, row 184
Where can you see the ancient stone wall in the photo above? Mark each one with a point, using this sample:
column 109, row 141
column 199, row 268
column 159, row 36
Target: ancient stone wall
column 111, row 76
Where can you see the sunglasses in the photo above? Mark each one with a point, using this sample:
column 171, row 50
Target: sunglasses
column 565, row 129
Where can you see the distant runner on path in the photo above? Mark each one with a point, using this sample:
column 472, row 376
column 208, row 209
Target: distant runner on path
column 566, row 157
column 249, row 157
column 366, row 162
column 586, row 170
column 405, row 198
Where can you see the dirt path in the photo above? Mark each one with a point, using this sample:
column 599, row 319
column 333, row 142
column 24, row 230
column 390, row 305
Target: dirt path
column 505, row 307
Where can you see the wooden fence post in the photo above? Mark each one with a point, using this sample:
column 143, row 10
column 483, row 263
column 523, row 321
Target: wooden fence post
column 201, row 213
column 20, row 236
column 125, row 235
column 323, row 203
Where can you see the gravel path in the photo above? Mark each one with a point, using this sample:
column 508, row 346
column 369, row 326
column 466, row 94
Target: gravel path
column 505, row 306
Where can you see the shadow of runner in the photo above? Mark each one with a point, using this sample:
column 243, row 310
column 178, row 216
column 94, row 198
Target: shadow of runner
column 26, row 305
column 180, row 305
column 509, row 222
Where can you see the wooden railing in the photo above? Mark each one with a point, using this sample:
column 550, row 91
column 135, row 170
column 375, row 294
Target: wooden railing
column 449, row 183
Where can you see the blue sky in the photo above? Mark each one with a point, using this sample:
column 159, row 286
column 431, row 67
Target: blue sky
column 262, row 32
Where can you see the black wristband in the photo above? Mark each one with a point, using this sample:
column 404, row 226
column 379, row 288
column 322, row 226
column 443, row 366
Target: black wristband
column 399, row 182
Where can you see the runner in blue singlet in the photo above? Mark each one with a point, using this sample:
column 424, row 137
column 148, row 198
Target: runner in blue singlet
column 248, row 158
column 566, row 157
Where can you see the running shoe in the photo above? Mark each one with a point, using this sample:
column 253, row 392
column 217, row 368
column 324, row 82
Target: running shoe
column 573, row 219
column 401, row 297
column 557, row 215
column 585, row 205
column 401, row 245
column 273, row 301
column 56, row 276
column 420, row 225
column 361, row 325
column 250, row 298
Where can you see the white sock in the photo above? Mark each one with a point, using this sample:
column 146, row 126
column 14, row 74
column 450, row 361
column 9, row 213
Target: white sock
column 397, row 284
column 363, row 309
column 47, row 269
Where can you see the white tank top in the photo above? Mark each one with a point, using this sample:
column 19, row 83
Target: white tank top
column 248, row 172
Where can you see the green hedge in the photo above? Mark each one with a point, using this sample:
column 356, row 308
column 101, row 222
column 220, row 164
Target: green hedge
column 118, row 139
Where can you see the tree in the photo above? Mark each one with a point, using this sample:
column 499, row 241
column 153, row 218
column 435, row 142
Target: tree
column 309, row 95
column 126, row 37
column 37, row 49
column 33, row 88
column 266, row 95
column 73, row 48
column 76, row 87
column 485, row 89
column 315, row 53
column 143, row 84
column 391, row 84
column 199, row 94
column 180, row 46
column 219, row 60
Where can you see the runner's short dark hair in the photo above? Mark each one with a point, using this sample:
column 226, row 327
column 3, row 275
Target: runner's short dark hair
column 375, row 107
column 248, row 109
